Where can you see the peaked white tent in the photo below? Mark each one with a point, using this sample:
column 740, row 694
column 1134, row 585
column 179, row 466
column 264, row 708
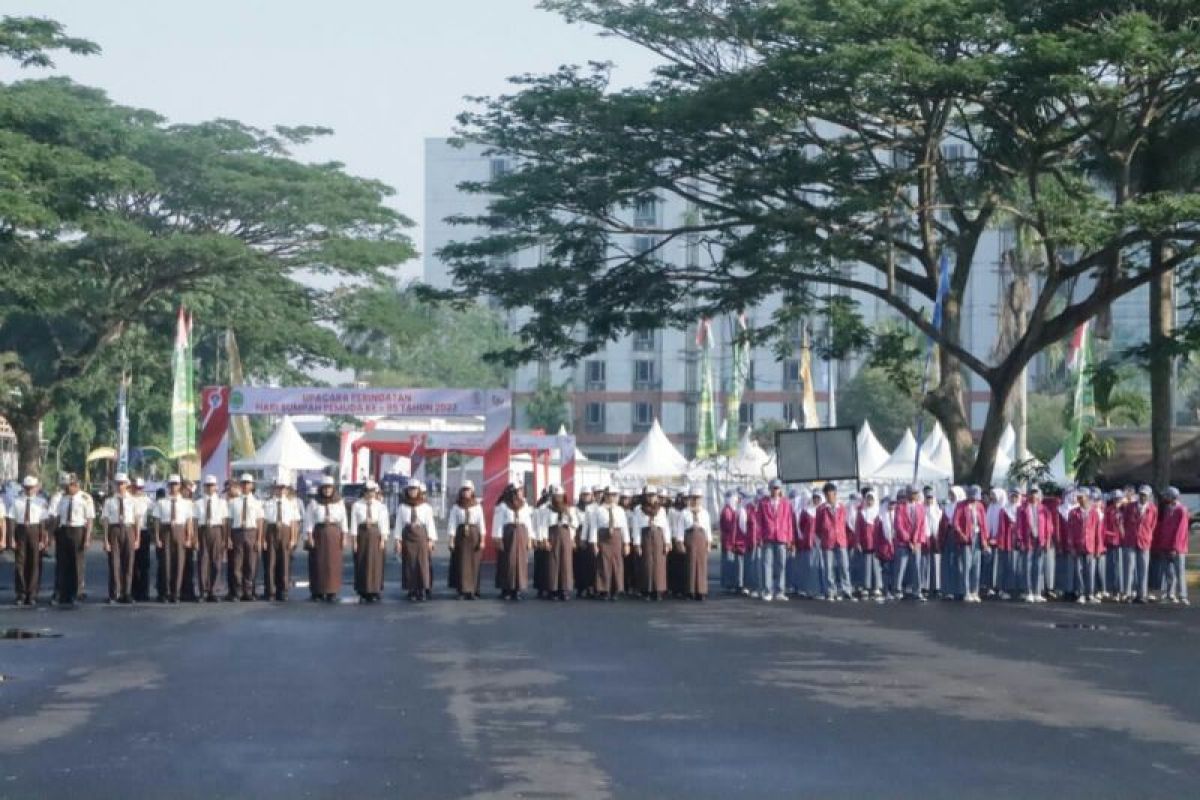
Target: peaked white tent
column 871, row 454
column 899, row 466
column 1006, row 454
column 1058, row 468
column 933, row 440
column 654, row 457
column 751, row 460
column 284, row 454
column 942, row 458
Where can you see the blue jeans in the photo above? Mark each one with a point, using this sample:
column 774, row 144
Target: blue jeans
column 1050, row 567
column 732, row 569
column 1140, row 583
column 753, row 569
column 1175, row 584
column 1033, row 574
column 908, row 565
column 968, row 568
column 873, row 573
column 837, row 572
column 1083, row 570
column 774, row 567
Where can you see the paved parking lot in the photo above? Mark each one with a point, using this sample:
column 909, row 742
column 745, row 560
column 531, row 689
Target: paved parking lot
column 730, row 698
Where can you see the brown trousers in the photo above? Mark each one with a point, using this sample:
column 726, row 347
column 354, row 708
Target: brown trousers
column 120, row 561
column 212, row 552
column 243, row 562
column 417, row 572
column 561, row 576
column 696, row 544
column 27, row 569
column 654, row 560
column 468, row 554
column 610, row 563
column 277, row 562
column 171, row 559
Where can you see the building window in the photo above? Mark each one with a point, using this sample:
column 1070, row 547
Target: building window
column 791, row 374
column 499, row 168
column 643, row 417
column 593, row 418
column 691, row 374
column 746, row 415
column 750, row 376
column 594, row 375
column 645, row 211
column 643, row 375
column 644, row 341
column 793, row 413
column 643, row 245
column 690, row 412
column 692, row 250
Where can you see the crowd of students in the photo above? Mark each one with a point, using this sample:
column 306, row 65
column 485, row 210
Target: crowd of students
column 1080, row 545
column 209, row 543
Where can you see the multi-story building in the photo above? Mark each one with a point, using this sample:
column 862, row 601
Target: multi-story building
column 618, row 392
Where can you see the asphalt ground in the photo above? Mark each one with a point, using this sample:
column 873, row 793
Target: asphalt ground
column 728, row 698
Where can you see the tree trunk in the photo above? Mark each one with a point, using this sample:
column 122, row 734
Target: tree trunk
column 29, row 444
column 993, row 427
column 945, row 402
column 1162, row 411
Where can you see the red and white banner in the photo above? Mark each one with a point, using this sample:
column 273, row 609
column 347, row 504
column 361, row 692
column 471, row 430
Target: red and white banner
column 214, row 431
column 566, row 449
column 357, row 402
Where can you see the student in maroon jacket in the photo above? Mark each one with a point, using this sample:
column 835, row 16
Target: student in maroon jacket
column 832, row 536
column 1141, row 523
column 910, row 532
column 777, row 533
column 1008, row 555
column 869, row 535
column 1084, row 538
column 1174, row 526
column 1035, row 531
column 733, row 547
column 971, row 539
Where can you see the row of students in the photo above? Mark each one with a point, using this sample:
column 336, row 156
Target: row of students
column 1083, row 546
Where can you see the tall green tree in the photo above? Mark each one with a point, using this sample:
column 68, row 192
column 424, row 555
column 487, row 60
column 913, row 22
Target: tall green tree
column 400, row 339
column 548, row 407
column 110, row 216
column 808, row 136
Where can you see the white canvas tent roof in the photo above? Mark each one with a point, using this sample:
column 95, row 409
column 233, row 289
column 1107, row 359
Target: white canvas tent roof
column 284, row 453
column 654, row 457
column 751, row 459
column 899, row 466
column 871, row 454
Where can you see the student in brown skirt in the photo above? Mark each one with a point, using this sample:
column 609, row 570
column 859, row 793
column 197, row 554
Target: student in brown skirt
column 694, row 531
column 415, row 532
column 325, row 529
column 512, row 528
column 631, row 562
column 560, row 523
column 610, row 526
column 650, row 530
column 465, row 537
column 368, row 524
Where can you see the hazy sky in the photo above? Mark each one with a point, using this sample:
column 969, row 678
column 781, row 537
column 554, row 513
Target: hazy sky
column 384, row 74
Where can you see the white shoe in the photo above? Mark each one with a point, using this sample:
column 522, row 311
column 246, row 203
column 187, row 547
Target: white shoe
column 1005, row 596
column 1080, row 600
column 1028, row 598
column 766, row 598
column 781, row 597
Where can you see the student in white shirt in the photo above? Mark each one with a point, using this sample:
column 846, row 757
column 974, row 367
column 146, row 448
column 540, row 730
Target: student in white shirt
column 174, row 515
column 650, row 529
column 141, row 559
column 694, row 529
column 120, row 540
column 368, row 531
column 585, row 558
column 281, row 516
column 212, row 535
column 512, row 528
column 414, row 534
column 73, row 538
column 560, row 522
column 28, row 516
column 610, row 527
column 245, row 539
column 465, row 532
column 325, row 531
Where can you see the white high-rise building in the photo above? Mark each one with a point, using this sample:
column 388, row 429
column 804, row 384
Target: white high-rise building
column 619, row 391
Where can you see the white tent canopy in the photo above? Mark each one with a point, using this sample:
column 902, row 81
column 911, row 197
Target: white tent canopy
column 871, row 454
column 654, row 457
column 899, row 466
column 284, row 454
column 751, row 460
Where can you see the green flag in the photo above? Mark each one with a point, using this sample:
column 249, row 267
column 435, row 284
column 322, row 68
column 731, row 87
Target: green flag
column 737, row 384
column 706, row 438
column 1083, row 408
column 183, row 391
